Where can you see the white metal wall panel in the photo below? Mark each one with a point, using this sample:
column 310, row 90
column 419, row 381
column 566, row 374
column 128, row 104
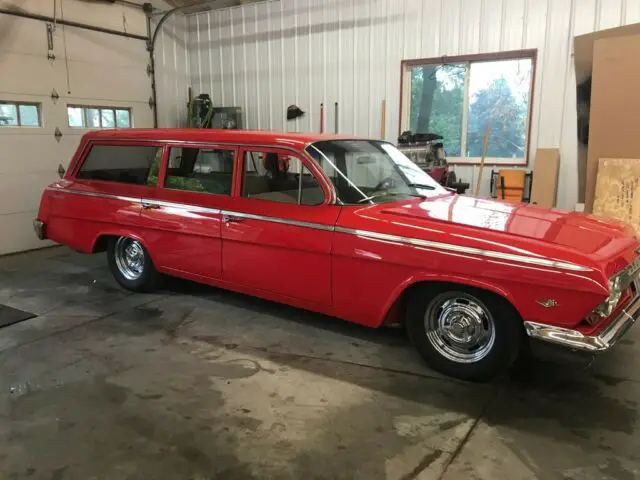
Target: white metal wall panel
column 90, row 68
column 172, row 72
column 270, row 55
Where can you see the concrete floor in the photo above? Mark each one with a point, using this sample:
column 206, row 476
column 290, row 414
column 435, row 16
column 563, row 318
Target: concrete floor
column 198, row 383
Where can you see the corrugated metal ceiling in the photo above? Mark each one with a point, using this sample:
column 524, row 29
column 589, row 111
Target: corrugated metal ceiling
column 193, row 6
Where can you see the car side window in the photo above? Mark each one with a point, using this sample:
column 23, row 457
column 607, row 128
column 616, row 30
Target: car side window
column 279, row 177
column 206, row 170
column 131, row 164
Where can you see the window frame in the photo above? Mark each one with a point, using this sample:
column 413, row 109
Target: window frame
column 306, row 161
column 405, row 99
column 18, row 104
column 166, row 157
column 100, row 108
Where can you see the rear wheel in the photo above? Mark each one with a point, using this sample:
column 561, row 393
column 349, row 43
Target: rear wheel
column 131, row 265
column 463, row 332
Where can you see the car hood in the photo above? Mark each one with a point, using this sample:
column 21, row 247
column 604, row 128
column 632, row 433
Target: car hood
column 587, row 235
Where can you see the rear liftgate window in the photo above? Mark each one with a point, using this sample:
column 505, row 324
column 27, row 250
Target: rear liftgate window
column 133, row 164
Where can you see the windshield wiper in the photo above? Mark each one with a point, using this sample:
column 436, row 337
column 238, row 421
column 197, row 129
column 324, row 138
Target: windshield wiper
column 421, row 185
column 389, row 194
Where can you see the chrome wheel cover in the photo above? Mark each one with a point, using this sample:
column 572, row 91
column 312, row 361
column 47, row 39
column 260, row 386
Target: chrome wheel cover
column 460, row 327
column 129, row 257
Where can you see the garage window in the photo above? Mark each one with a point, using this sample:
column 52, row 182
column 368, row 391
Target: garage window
column 98, row 117
column 20, row 114
column 458, row 96
column 135, row 164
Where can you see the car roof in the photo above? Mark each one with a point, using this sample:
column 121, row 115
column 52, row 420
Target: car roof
column 258, row 137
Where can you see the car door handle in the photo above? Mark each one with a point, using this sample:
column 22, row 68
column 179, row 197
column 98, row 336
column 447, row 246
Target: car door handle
column 147, row 205
column 232, row 219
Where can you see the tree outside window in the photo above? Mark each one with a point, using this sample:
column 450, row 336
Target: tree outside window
column 456, row 100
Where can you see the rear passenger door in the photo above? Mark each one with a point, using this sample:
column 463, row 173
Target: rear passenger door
column 277, row 235
column 183, row 217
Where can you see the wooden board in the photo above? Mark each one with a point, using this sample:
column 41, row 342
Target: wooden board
column 617, row 192
column 615, row 103
column 544, row 184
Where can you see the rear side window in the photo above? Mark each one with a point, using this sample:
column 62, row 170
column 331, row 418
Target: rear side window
column 205, row 170
column 133, row 164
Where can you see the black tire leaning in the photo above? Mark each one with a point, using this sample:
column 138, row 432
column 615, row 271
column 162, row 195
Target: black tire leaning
column 148, row 281
column 507, row 326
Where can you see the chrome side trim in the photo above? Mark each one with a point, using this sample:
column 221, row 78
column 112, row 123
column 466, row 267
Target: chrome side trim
column 592, row 344
column 539, row 261
column 530, row 260
column 99, row 195
column 181, row 206
column 284, row 221
column 147, row 201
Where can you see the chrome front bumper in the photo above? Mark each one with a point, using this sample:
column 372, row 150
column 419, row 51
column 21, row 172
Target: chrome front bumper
column 591, row 344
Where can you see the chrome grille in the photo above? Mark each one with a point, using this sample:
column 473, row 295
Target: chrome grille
column 630, row 274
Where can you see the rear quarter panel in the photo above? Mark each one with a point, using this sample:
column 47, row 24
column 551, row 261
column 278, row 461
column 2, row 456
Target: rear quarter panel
column 78, row 211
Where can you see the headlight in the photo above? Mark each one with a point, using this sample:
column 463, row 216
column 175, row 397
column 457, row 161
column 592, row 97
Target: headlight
column 617, row 284
column 616, row 287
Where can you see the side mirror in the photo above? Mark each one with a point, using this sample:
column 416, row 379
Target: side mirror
column 61, row 170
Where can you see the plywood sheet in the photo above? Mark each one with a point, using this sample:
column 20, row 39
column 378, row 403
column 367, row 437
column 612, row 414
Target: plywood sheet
column 615, row 105
column 545, row 177
column 618, row 190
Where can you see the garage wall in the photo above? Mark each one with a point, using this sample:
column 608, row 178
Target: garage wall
column 263, row 57
column 90, row 68
column 172, row 71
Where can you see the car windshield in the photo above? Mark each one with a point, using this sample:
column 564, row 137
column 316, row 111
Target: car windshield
column 369, row 171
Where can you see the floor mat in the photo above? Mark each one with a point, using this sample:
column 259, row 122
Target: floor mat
column 11, row 316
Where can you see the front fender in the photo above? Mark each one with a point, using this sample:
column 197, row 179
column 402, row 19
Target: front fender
column 568, row 309
column 409, row 282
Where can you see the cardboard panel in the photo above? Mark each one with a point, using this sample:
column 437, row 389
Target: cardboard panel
column 545, row 177
column 583, row 58
column 584, row 46
column 617, row 193
column 615, row 105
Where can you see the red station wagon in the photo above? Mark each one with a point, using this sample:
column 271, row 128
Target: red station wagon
column 350, row 228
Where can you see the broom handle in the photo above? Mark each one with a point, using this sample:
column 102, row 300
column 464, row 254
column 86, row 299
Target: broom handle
column 485, row 143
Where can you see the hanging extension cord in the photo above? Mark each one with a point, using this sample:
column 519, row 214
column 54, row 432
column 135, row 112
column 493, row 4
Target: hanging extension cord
column 64, row 43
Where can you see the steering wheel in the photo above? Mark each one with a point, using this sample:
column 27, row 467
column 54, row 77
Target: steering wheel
column 385, row 184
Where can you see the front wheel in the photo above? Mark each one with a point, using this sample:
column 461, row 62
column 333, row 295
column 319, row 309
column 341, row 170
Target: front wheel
column 463, row 332
column 131, row 265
